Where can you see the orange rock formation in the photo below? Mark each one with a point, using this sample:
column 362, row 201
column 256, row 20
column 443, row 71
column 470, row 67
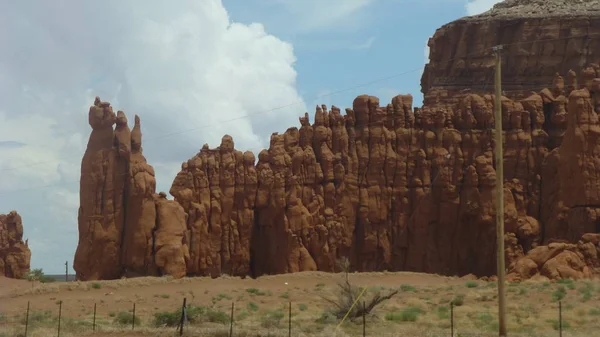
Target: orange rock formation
column 14, row 253
column 387, row 186
column 393, row 189
column 125, row 228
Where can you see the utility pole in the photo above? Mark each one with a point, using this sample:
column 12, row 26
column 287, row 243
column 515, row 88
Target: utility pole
column 66, row 271
column 499, row 193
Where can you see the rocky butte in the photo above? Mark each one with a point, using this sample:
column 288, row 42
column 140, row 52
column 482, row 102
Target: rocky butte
column 14, row 253
column 388, row 186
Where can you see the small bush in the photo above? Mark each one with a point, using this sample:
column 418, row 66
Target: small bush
column 256, row 292
column 458, row 300
column 195, row 314
column 38, row 317
column 555, row 324
column 126, row 318
column 272, row 319
column 96, row 285
column 559, row 294
column 407, row 287
column 285, row 295
column 443, row 312
column 409, row 314
column 252, row 306
column 471, row 284
column 302, row 307
column 594, row 312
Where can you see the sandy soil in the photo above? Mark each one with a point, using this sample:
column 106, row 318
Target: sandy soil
column 261, row 305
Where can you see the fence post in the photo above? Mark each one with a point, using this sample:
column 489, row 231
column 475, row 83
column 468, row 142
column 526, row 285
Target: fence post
column 364, row 320
column 290, row 319
column 27, row 319
column 231, row 321
column 66, row 271
column 560, row 318
column 182, row 322
column 452, row 319
column 94, row 322
column 59, row 315
column 133, row 320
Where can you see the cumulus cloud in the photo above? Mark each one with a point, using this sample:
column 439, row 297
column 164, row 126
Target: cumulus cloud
column 189, row 72
column 475, row 7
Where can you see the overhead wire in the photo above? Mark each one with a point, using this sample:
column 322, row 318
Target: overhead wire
column 385, row 78
column 484, row 85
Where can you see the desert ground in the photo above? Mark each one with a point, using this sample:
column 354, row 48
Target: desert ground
column 420, row 308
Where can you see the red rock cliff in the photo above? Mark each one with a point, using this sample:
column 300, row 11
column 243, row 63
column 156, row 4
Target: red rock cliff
column 14, row 253
column 125, row 228
column 393, row 189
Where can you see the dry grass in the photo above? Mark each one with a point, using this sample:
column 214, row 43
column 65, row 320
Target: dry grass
column 421, row 307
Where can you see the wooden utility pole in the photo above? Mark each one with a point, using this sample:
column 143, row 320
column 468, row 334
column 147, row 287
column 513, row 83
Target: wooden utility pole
column 499, row 193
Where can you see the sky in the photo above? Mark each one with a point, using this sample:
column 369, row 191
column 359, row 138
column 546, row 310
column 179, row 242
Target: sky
column 193, row 70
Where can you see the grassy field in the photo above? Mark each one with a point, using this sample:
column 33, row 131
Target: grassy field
column 420, row 308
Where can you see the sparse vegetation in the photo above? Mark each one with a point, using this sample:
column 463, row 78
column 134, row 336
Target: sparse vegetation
column 38, row 275
column 126, row 318
column 415, row 307
column 458, row 300
column 96, row 285
column 347, row 297
column 559, row 294
column 409, row 314
column 252, row 306
column 407, row 287
column 272, row 318
column 471, row 284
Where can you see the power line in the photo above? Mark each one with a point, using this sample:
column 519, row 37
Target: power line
column 300, row 101
column 533, row 86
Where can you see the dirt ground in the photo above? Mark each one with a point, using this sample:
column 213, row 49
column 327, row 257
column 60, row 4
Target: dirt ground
column 261, row 306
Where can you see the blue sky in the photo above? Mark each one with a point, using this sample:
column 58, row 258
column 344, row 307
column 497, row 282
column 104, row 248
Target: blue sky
column 194, row 71
column 375, row 40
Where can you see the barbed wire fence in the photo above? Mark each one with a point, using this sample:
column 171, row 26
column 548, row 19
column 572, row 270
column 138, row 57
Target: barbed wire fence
column 196, row 320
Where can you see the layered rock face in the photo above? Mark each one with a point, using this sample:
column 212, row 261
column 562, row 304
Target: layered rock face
column 125, row 228
column 540, row 38
column 14, row 253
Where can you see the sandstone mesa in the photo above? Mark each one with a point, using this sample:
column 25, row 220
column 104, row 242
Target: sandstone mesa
column 14, row 253
column 390, row 187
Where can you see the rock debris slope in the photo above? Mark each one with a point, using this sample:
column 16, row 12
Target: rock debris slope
column 14, row 253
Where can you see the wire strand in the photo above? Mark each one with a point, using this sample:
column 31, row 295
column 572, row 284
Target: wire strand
column 171, row 134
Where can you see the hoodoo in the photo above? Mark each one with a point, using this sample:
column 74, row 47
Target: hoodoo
column 14, row 253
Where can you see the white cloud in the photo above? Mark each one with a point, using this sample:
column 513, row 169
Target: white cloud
column 179, row 65
column 475, row 7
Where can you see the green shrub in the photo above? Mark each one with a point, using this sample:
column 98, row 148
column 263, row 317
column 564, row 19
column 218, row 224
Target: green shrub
column 256, row 292
column 458, row 300
column 409, row 314
column 96, row 285
column 272, row 319
column 126, row 318
column 559, row 294
column 302, row 307
column 195, row 314
column 471, row 284
column 407, row 287
column 252, row 306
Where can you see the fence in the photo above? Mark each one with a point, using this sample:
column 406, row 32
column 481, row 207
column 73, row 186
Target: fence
column 190, row 320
